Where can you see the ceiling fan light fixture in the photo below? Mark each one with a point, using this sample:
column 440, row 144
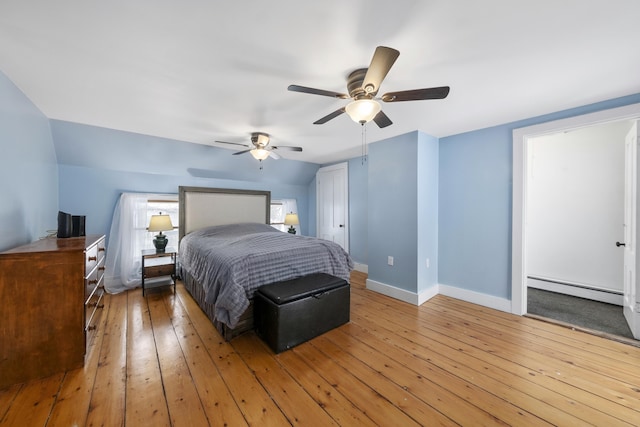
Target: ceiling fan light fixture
column 362, row 110
column 260, row 153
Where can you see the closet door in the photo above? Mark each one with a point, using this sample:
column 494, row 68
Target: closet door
column 333, row 204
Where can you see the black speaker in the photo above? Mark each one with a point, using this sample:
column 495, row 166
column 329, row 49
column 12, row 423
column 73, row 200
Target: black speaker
column 78, row 225
column 65, row 225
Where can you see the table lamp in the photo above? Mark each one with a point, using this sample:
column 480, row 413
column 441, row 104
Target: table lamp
column 160, row 223
column 291, row 219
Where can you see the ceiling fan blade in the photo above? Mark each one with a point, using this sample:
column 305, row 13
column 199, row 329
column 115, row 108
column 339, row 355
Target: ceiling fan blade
column 382, row 61
column 303, row 89
column 232, row 143
column 286, row 147
column 273, row 155
column 242, row 152
column 328, row 117
column 417, row 94
column 382, row 120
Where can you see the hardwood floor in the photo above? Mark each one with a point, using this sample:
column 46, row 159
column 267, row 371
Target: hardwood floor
column 159, row 361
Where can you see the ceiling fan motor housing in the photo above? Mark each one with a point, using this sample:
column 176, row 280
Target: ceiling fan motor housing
column 354, row 85
column 260, row 139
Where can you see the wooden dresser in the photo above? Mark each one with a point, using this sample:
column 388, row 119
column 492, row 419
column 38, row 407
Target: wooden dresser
column 50, row 304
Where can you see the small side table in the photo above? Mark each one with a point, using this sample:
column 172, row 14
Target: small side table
column 158, row 268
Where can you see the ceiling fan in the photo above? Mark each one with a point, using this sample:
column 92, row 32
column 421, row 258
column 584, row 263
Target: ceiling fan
column 363, row 85
column 260, row 148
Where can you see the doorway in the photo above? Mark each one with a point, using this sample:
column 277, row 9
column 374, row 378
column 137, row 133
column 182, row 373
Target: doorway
column 521, row 165
column 332, row 193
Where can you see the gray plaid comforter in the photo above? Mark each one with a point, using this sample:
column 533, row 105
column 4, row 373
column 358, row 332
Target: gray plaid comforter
column 232, row 261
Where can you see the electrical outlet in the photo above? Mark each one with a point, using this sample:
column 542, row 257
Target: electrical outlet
column 390, row 260
column 427, row 262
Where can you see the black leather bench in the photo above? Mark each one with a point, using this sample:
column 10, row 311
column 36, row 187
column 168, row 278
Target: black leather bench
column 291, row 312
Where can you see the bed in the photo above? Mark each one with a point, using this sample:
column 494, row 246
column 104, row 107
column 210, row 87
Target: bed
column 227, row 250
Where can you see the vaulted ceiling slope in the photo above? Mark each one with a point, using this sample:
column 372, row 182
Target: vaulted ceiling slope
column 203, row 70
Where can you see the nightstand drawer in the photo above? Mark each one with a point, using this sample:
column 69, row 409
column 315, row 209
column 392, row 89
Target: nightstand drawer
column 159, row 270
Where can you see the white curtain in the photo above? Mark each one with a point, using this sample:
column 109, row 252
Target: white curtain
column 127, row 238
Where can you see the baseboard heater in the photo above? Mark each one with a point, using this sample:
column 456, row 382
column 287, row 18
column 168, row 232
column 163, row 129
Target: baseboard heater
column 576, row 289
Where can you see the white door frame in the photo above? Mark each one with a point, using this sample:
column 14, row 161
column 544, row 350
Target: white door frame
column 630, row 304
column 344, row 166
column 520, row 172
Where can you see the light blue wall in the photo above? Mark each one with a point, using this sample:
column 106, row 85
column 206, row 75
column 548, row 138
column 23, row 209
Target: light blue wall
column 97, row 164
column 475, row 203
column 393, row 210
column 475, row 211
column 312, row 206
column 29, row 173
column 358, row 217
column 427, row 230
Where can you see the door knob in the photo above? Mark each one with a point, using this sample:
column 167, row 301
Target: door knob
column 618, row 244
column 341, row 225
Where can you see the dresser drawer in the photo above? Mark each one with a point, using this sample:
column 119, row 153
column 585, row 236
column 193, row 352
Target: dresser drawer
column 102, row 250
column 91, row 258
column 93, row 311
column 101, row 269
column 91, row 307
column 90, row 284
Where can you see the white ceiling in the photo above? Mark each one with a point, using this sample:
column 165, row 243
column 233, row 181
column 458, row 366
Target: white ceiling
column 201, row 70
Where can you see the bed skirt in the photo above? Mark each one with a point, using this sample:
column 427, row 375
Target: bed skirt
column 196, row 290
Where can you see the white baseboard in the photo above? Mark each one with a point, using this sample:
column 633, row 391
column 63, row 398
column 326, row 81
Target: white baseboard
column 363, row 268
column 490, row 301
column 402, row 294
column 485, row 300
column 592, row 294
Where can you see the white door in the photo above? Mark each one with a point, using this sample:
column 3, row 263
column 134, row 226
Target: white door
column 631, row 304
column 332, row 203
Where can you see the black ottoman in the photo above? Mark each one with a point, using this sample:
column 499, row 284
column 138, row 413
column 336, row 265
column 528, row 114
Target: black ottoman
column 291, row 312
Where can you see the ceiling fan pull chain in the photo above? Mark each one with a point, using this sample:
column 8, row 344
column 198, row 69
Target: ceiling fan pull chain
column 362, row 160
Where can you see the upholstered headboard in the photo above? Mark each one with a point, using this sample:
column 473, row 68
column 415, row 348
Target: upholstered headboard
column 203, row 207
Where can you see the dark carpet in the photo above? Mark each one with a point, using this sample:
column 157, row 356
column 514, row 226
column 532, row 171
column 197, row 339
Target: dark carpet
column 577, row 311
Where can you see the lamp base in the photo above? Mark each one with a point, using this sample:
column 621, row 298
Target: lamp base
column 291, row 230
column 160, row 242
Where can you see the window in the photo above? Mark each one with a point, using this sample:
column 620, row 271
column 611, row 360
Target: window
column 129, row 236
column 279, row 208
column 167, row 207
column 277, row 215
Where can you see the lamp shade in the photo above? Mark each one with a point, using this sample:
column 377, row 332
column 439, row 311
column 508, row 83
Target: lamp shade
column 260, row 153
column 160, row 223
column 362, row 110
column 291, row 219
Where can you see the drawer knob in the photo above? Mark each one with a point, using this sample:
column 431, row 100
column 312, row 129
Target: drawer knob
column 92, row 304
column 93, row 258
column 102, row 268
column 93, row 282
column 101, row 249
column 92, row 328
column 100, row 306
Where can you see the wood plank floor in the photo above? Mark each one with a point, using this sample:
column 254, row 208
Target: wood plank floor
column 158, row 361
